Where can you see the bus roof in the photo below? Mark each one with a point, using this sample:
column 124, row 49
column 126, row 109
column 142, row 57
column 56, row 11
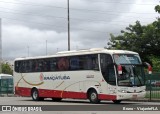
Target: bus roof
column 81, row 52
column 5, row 75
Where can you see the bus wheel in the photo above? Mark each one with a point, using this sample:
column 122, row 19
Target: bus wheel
column 117, row 101
column 35, row 95
column 93, row 96
column 57, row 99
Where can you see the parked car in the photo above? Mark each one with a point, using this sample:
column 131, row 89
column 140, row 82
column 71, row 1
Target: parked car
column 157, row 84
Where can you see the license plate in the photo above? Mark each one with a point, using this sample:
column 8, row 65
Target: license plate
column 134, row 96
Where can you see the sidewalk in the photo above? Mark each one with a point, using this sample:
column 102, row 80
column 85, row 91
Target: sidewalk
column 145, row 100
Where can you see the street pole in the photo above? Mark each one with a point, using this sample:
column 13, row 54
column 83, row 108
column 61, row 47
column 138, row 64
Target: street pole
column 46, row 47
column 68, row 28
column 28, row 50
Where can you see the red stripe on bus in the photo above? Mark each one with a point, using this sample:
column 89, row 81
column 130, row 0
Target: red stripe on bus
column 107, row 97
column 26, row 92
column 22, row 91
column 62, row 94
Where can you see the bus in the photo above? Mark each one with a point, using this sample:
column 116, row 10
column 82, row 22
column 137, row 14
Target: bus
column 95, row 74
column 6, row 84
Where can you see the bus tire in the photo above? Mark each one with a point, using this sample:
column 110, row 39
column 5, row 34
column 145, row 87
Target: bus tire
column 116, row 101
column 56, row 99
column 35, row 95
column 93, row 96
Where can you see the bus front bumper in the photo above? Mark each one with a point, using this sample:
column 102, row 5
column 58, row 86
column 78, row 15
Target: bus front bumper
column 131, row 96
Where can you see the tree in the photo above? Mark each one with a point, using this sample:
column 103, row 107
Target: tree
column 6, row 69
column 155, row 63
column 157, row 8
column 144, row 39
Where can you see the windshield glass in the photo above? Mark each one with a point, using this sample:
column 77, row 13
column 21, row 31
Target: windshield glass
column 127, row 59
column 132, row 75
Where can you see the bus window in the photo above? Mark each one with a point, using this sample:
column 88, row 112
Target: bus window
column 74, row 63
column 107, row 68
column 63, row 64
column 83, row 62
column 17, row 66
column 28, row 66
column 95, row 65
column 88, row 62
column 22, row 67
column 53, row 64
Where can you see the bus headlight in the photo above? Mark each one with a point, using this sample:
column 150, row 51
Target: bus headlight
column 144, row 90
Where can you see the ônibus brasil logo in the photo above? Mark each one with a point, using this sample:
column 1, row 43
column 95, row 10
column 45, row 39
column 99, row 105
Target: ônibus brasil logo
column 54, row 77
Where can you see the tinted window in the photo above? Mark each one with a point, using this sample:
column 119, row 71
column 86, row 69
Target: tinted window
column 127, row 59
column 83, row 62
column 63, row 63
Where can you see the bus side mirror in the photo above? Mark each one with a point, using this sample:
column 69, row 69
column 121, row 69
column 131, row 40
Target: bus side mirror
column 149, row 67
column 119, row 68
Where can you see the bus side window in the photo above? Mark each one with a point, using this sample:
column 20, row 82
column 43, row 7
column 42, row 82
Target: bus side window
column 47, row 64
column 95, row 65
column 17, row 66
column 53, row 64
column 91, row 62
column 44, row 65
column 37, row 66
column 22, row 67
column 88, row 62
column 74, row 63
column 29, row 66
column 63, row 64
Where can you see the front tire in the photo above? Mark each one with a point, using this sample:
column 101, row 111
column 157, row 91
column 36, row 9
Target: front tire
column 56, row 99
column 93, row 96
column 116, row 101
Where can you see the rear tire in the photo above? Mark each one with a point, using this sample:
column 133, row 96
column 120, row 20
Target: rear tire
column 35, row 95
column 116, row 101
column 93, row 96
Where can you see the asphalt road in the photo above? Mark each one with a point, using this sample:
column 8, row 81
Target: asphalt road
column 71, row 106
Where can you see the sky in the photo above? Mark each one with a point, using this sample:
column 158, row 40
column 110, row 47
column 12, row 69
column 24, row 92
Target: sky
column 39, row 27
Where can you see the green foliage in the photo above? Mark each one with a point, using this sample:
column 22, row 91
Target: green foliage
column 6, row 69
column 144, row 39
column 155, row 63
column 157, row 8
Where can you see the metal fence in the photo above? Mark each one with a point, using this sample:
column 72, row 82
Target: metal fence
column 153, row 86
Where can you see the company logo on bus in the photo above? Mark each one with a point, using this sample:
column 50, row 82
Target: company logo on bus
column 57, row 77
column 41, row 77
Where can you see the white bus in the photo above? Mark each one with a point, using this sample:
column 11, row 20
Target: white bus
column 94, row 74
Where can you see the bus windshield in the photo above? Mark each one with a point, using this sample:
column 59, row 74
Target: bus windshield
column 127, row 59
column 132, row 70
column 132, row 75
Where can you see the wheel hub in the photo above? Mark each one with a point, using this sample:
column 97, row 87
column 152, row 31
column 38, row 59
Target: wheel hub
column 35, row 95
column 93, row 96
